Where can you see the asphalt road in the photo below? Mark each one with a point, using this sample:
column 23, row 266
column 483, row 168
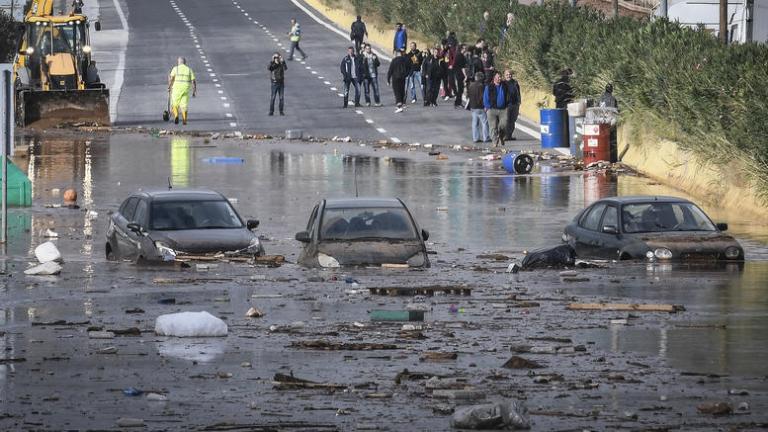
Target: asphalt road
column 229, row 44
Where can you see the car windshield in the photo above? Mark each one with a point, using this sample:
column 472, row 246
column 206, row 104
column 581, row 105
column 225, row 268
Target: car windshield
column 186, row 215
column 664, row 217
column 349, row 224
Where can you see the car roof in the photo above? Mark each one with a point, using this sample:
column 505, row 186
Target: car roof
column 181, row 195
column 641, row 199
column 341, row 203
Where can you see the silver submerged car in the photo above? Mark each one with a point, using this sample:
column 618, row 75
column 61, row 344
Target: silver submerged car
column 362, row 232
column 653, row 228
column 166, row 224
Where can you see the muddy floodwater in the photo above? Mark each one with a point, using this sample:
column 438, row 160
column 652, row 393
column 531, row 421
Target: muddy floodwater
column 598, row 370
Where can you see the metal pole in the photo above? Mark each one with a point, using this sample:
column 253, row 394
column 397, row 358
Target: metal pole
column 6, row 151
column 615, row 8
column 573, row 3
column 750, row 21
column 724, row 21
column 663, row 7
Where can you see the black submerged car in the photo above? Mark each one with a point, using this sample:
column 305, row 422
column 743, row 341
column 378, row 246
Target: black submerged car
column 161, row 225
column 655, row 228
column 362, row 231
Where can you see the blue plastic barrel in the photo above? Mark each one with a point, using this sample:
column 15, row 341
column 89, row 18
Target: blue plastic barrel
column 517, row 163
column 554, row 128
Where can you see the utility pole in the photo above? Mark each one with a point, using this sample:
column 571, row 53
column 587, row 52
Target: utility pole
column 750, row 20
column 615, row 8
column 724, row 22
column 663, row 7
column 573, row 3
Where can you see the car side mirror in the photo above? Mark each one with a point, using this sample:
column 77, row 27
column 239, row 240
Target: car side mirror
column 424, row 235
column 610, row 229
column 303, row 236
column 252, row 224
column 97, row 26
column 722, row 226
column 134, row 227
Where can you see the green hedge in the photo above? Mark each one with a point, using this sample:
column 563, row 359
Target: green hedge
column 707, row 97
column 8, row 37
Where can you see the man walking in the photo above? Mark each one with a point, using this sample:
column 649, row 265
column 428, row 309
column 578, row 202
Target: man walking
column 180, row 80
column 459, row 67
column 352, row 73
column 399, row 69
column 371, row 65
column 515, row 98
column 401, row 39
column 357, row 33
column 433, row 74
column 495, row 101
column 295, row 35
column 277, row 68
column 477, row 107
column 416, row 58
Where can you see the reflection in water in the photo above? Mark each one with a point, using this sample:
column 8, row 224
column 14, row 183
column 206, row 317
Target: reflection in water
column 180, row 161
column 200, row 351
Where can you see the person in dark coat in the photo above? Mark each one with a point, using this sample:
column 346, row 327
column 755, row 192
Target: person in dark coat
column 432, row 72
column 398, row 72
column 357, row 33
column 607, row 100
column 459, row 68
column 562, row 89
column 477, row 107
column 515, row 99
column 277, row 68
column 352, row 73
column 496, row 99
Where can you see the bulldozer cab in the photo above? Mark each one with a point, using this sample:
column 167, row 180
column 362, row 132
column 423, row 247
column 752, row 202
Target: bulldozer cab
column 56, row 52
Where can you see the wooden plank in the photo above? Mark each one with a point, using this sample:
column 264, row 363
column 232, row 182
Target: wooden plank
column 626, row 307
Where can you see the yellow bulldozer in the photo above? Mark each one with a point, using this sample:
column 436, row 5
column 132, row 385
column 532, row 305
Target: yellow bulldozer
column 56, row 81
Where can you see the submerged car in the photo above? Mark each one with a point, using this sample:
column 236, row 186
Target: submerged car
column 362, row 232
column 647, row 227
column 163, row 225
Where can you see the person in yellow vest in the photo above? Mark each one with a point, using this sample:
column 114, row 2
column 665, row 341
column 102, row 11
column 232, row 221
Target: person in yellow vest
column 295, row 35
column 180, row 80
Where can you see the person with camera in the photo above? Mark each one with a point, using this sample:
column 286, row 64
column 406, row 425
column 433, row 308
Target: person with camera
column 277, row 68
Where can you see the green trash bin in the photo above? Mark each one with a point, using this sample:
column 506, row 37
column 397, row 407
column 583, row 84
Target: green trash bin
column 19, row 186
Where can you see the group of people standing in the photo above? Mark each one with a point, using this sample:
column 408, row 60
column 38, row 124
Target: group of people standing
column 449, row 69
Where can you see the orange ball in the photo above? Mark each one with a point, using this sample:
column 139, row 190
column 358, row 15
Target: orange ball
column 70, row 196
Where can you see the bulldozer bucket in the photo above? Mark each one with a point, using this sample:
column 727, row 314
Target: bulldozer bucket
column 63, row 107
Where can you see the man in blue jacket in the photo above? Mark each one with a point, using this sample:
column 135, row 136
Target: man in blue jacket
column 401, row 39
column 352, row 73
column 496, row 99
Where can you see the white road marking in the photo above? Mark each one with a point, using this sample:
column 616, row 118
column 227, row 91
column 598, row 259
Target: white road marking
column 381, row 130
column 233, row 124
column 358, row 112
column 228, row 115
column 333, row 89
column 117, row 85
column 369, row 121
column 395, row 140
column 325, row 82
column 341, row 94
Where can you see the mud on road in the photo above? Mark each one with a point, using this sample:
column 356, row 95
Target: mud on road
column 316, row 361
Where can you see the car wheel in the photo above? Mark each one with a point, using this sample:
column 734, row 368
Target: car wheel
column 625, row 256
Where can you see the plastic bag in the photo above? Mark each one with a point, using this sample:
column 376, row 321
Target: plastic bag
column 558, row 256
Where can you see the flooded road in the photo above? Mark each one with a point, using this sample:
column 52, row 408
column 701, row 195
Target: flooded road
column 471, row 207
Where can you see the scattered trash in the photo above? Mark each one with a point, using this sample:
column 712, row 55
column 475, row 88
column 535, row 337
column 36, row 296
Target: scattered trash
column 135, row 311
column 458, row 394
column 47, row 252
column 397, row 315
column 108, row 350
column 516, row 362
column 503, row 415
column 430, row 290
column 292, row 327
column 254, row 313
column 205, row 267
column 435, row 356
column 743, row 407
column 101, row 335
column 132, row 391
column 156, row 397
column 289, row 382
column 341, row 346
column 224, row 160
column 738, row 392
column 716, row 409
column 326, row 261
column 190, row 324
column 49, row 233
column 167, row 301
column 49, row 268
column 127, row 422
column 626, row 307
column 619, row 322
column 558, row 256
